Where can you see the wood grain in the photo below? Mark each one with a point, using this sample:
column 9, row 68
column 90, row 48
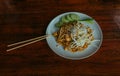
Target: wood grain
column 25, row 19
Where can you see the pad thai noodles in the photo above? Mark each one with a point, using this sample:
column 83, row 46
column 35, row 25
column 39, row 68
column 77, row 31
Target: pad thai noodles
column 74, row 36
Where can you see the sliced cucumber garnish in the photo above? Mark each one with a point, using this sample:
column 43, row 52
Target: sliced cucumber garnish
column 64, row 19
column 74, row 17
column 59, row 24
column 69, row 17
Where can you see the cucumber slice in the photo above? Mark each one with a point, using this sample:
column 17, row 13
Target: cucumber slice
column 68, row 17
column 74, row 17
column 64, row 20
column 59, row 24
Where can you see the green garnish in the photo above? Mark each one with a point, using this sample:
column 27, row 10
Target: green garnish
column 87, row 20
column 70, row 18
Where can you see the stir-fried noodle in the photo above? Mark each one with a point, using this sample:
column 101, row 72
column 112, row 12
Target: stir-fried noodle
column 74, row 36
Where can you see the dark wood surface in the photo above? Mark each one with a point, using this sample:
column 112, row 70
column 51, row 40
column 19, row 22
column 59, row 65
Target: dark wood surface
column 25, row 19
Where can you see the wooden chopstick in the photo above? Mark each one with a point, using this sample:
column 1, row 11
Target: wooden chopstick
column 26, row 41
column 32, row 41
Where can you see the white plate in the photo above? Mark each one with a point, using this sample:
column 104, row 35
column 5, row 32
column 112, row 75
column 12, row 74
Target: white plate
column 92, row 48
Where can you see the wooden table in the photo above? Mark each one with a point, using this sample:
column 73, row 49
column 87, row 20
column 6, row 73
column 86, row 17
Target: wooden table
column 25, row 19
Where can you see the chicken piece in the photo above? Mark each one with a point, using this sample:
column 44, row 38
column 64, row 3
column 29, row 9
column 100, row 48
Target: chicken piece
column 67, row 38
column 55, row 34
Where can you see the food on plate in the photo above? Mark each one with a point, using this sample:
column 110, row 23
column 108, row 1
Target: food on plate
column 66, row 19
column 72, row 34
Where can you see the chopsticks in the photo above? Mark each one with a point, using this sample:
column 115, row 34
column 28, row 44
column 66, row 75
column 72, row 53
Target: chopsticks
column 26, row 42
